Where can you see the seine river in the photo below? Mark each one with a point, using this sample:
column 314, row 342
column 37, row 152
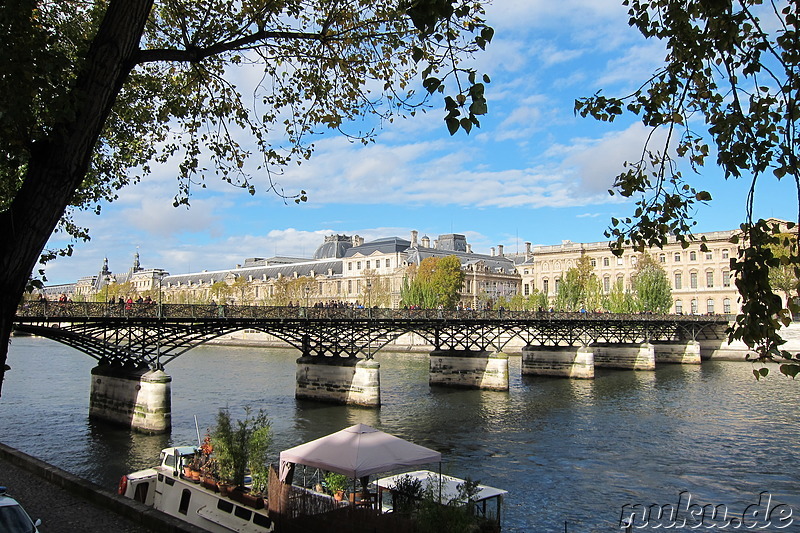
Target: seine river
column 567, row 451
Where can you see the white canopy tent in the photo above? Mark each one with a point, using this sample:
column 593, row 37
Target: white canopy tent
column 356, row 452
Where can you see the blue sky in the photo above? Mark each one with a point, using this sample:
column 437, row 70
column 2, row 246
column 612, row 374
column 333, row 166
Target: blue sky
column 534, row 172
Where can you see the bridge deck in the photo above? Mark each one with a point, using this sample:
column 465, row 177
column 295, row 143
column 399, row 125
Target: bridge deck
column 153, row 334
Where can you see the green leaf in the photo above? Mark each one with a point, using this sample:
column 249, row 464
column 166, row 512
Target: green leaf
column 431, row 84
column 790, row 369
column 703, row 196
column 452, row 125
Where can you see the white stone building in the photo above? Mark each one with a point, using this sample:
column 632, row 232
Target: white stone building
column 701, row 281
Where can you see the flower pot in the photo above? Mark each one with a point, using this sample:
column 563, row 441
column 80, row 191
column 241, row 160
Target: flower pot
column 338, row 495
column 236, row 494
column 224, row 488
column 251, row 500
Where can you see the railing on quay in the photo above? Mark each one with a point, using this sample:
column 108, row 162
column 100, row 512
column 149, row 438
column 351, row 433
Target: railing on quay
column 90, row 310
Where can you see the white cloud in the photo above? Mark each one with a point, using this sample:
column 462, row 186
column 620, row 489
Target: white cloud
column 596, row 162
column 633, row 67
column 538, row 14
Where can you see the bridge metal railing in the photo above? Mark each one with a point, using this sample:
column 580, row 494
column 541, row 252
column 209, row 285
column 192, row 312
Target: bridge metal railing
column 87, row 310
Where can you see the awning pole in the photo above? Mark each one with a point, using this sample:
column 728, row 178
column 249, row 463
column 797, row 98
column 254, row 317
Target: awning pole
column 440, row 482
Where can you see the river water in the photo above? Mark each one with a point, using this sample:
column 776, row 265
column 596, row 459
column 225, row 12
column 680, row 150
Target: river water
column 571, row 453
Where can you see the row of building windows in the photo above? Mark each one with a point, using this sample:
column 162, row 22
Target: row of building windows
column 677, row 257
column 709, row 256
column 676, row 285
column 679, row 309
column 710, row 306
column 368, row 264
column 678, row 280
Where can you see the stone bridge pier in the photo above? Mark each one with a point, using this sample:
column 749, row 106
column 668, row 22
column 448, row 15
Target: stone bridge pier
column 137, row 399
column 558, row 361
column 677, row 352
column 580, row 361
column 470, row 369
column 628, row 356
column 342, row 380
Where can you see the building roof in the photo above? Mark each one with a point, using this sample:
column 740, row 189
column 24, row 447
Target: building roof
column 260, row 272
column 334, row 246
column 495, row 263
column 386, row 245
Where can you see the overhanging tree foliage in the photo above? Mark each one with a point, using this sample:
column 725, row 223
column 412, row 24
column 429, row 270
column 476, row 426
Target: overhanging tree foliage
column 783, row 277
column 729, row 86
column 93, row 93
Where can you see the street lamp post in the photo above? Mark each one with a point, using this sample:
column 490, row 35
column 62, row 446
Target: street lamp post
column 159, row 366
column 160, row 281
column 106, row 279
column 369, row 314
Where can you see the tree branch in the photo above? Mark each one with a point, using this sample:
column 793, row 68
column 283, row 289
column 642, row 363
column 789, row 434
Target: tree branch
column 243, row 43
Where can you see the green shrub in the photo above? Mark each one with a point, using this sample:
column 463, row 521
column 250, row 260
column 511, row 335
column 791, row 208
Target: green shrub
column 242, row 446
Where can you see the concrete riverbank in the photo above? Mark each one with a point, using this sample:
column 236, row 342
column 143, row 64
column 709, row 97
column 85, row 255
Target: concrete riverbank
column 66, row 503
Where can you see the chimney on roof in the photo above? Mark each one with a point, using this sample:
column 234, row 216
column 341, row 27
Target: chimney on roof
column 491, row 251
column 469, row 248
column 527, row 248
column 426, row 242
column 500, row 250
column 414, row 234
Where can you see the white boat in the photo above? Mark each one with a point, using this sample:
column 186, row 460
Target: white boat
column 167, row 489
column 487, row 502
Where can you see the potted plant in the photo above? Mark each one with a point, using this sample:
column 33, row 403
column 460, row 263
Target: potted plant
column 205, row 462
column 242, row 446
column 336, row 484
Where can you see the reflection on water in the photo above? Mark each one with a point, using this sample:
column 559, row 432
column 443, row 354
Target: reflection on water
column 566, row 450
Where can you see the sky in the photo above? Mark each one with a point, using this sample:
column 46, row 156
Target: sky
column 534, row 171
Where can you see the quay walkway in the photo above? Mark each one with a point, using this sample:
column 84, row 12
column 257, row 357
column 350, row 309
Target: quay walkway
column 68, row 504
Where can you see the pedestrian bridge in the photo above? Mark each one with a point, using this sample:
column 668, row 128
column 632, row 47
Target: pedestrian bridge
column 133, row 342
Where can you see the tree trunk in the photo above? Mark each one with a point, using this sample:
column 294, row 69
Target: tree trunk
column 59, row 164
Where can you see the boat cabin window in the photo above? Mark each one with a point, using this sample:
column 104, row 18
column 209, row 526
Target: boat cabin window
column 186, row 495
column 243, row 513
column 224, row 506
column 140, row 495
column 168, row 460
column 261, row 520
